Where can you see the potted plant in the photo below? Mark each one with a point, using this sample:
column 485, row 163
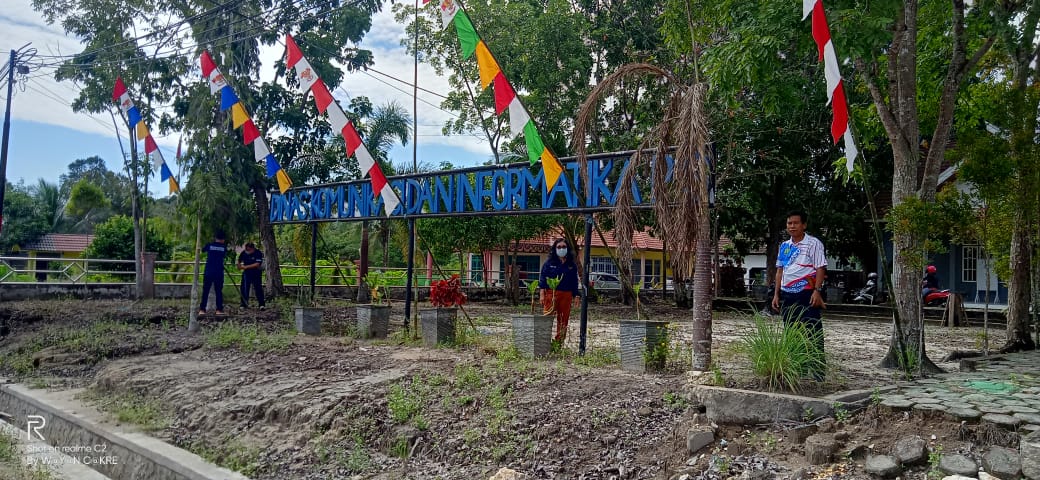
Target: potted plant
column 307, row 312
column 644, row 343
column 373, row 319
column 438, row 323
column 532, row 334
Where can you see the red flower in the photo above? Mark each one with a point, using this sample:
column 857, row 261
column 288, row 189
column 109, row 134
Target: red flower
column 447, row 293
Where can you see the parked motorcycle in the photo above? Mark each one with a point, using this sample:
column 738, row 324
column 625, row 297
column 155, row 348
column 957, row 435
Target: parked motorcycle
column 933, row 297
column 869, row 294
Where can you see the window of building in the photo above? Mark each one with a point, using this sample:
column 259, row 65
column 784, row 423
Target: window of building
column 969, row 263
column 602, row 265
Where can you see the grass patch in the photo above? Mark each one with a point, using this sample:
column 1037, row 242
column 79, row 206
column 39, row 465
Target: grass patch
column 247, row 338
column 133, row 408
column 781, row 355
column 8, row 448
column 233, row 454
column 406, row 401
column 596, row 357
column 354, row 460
column 12, row 467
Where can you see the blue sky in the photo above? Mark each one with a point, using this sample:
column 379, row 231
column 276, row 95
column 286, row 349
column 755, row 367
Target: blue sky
column 46, row 135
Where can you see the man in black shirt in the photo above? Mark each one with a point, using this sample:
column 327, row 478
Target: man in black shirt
column 214, row 273
column 251, row 263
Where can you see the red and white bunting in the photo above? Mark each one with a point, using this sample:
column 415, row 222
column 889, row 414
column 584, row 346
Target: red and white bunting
column 840, row 128
column 309, row 81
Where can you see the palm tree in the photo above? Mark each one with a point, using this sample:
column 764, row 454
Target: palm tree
column 51, row 202
column 681, row 206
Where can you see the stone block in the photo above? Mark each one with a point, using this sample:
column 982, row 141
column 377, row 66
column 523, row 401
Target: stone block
column 698, row 438
column 1029, row 452
column 1002, row 462
column 819, row 448
column 800, row 433
column 956, row 464
column 746, row 407
column 532, row 334
column 884, row 466
column 910, row 450
column 1003, row 421
column 507, row 474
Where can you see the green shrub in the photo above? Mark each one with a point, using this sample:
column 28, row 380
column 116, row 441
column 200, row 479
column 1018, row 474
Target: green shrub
column 781, row 355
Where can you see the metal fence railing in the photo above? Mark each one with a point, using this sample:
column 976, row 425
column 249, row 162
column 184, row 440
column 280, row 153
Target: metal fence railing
column 83, row 271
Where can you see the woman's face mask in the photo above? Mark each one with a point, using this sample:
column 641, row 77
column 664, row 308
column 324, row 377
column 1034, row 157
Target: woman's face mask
column 561, row 251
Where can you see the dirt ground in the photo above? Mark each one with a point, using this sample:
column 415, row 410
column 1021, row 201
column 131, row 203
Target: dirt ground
column 249, row 394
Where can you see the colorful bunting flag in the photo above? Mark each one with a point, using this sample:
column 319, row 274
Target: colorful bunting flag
column 520, row 121
column 821, row 33
column 309, row 81
column 240, row 118
column 136, row 123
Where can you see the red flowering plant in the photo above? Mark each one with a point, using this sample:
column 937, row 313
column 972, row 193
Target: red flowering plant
column 447, row 293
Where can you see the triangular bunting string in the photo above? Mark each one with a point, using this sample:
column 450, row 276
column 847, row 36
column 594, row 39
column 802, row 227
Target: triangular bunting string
column 520, row 121
column 354, row 146
column 136, row 123
column 240, row 119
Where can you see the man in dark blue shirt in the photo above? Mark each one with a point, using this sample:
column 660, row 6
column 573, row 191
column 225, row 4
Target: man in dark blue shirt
column 214, row 273
column 251, row 262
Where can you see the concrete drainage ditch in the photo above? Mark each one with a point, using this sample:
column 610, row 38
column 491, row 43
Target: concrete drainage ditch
column 114, row 452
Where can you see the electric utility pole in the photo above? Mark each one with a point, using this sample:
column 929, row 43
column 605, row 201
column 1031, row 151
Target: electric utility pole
column 19, row 63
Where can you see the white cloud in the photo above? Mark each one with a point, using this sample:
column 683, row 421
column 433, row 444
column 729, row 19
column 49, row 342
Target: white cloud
column 47, row 101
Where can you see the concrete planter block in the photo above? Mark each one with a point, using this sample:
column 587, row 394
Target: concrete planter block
column 373, row 321
column 638, row 338
column 308, row 320
column 532, row 334
column 438, row 325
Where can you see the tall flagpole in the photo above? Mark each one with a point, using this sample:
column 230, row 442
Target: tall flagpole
column 415, row 168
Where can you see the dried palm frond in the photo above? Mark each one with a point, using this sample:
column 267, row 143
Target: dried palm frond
column 681, row 205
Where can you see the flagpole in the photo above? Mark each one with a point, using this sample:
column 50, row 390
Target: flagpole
column 415, row 169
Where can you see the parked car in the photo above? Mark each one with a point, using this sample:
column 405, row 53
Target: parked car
column 604, row 281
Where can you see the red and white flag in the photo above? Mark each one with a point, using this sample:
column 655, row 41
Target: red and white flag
column 821, row 33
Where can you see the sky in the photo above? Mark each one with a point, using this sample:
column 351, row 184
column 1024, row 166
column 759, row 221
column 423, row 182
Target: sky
column 46, row 134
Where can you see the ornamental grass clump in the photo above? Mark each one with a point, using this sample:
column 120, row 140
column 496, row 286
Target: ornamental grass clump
column 780, row 354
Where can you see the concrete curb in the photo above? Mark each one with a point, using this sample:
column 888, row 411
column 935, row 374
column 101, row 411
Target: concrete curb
column 116, row 453
column 745, row 407
column 40, row 454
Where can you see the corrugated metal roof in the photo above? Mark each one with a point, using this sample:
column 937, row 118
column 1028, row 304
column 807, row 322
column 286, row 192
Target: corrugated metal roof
column 59, row 242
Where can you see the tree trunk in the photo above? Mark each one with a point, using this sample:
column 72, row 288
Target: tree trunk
column 702, row 295
column 193, row 315
column 1018, row 337
column 906, row 350
column 272, row 264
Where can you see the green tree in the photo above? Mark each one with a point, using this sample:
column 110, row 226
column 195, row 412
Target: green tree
column 997, row 144
column 51, row 203
column 913, row 58
column 114, row 239
column 23, row 221
column 85, row 200
column 160, row 70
